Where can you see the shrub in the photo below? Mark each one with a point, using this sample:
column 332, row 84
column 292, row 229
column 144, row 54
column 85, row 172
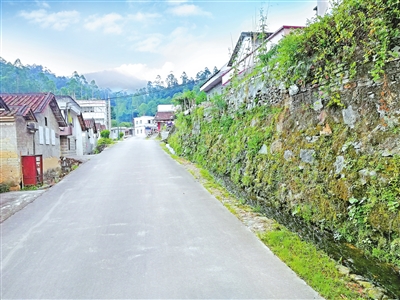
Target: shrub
column 102, row 144
column 105, row 134
column 4, row 188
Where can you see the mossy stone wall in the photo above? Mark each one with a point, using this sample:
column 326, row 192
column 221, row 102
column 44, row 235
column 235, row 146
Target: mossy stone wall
column 329, row 158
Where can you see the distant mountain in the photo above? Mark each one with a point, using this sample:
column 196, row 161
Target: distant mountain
column 116, row 80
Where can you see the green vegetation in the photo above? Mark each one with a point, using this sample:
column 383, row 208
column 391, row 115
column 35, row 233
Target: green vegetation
column 314, row 266
column 360, row 202
column 359, row 208
column 30, row 188
column 19, row 78
column 356, row 32
column 4, row 188
column 105, row 134
column 103, row 143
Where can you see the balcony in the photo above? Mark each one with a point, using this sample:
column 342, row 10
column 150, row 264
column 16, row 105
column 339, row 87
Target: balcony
column 65, row 131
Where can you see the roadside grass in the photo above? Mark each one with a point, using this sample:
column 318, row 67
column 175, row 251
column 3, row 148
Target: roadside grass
column 311, row 264
column 314, row 266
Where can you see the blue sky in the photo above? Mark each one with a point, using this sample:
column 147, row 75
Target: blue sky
column 137, row 40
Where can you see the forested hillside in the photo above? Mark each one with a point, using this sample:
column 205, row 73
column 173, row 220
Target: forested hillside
column 19, row 78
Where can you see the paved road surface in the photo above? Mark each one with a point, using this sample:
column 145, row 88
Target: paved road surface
column 132, row 223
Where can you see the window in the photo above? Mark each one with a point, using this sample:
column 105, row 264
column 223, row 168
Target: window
column 88, row 109
column 45, row 121
column 41, row 135
column 148, row 121
column 47, row 135
column 140, row 121
column 137, row 122
column 53, row 137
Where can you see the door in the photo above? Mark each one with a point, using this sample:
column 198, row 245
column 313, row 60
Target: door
column 32, row 169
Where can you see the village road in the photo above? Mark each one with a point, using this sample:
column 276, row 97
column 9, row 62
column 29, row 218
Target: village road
column 132, row 223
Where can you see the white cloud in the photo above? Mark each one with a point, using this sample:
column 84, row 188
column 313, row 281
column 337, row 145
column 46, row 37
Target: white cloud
column 42, row 4
column 110, row 23
column 141, row 17
column 150, row 44
column 188, row 10
column 144, row 72
column 58, row 21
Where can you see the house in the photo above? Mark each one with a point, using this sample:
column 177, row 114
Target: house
column 90, row 136
column 243, row 58
column 116, row 131
column 213, row 86
column 30, row 138
column 100, row 127
column 244, row 55
column 164, row 116
column 99, row 110
column 71, row 141
column 323, row 7
column 275, row 37
column 143, row 126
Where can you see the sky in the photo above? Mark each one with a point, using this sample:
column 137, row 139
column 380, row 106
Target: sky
column 124, row 44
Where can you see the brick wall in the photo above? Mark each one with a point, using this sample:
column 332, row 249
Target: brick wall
column 10, row 171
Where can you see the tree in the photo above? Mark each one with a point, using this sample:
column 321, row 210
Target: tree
column 171, row 81
column 142, row 109
column 93, row 87
column 125, row 124
column 184, row 78
column 158, row 83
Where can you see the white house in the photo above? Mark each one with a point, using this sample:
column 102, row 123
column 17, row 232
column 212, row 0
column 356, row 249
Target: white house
column 90, row 137
column 99, row 110
column 323, row 7
column 116, row 131
column 243, row 56
column 275, row 37
column 71, row 136
column 213, row 85
column 143, row 125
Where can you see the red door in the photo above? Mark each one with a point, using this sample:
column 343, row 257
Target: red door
column 32, row 169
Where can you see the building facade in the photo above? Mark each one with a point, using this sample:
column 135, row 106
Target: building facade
column 143, row 126
column 99, row 110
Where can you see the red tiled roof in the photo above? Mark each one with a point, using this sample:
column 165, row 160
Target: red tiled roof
column 11, row 111
column 101, row 127
column 91, row 124
column 88, row 123
column 164, row 116
column 35, row 102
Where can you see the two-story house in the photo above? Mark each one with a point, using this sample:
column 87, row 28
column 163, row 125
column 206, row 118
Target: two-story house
column 71, row 137
column 143, row 126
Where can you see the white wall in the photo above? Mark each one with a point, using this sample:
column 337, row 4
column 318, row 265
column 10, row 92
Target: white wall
column 140, row 124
